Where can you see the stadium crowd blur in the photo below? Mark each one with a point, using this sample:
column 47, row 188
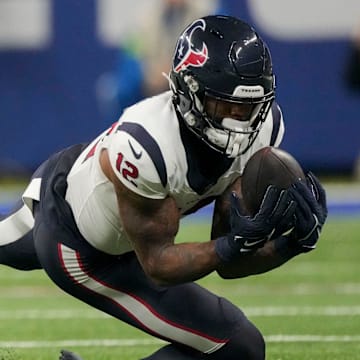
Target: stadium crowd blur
column 62, row 80
column 146, row 55
column 352, row 77
column 352, row 66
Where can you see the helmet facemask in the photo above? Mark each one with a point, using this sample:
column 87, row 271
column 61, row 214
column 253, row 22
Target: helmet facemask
column 228, row 124
column 235, row 121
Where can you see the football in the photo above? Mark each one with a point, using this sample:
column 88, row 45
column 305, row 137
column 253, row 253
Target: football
column 268, row 166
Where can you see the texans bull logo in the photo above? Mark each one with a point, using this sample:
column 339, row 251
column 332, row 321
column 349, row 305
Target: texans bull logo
column 186, row 55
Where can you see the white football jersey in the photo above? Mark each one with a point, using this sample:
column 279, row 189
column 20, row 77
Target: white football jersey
column 149, row 157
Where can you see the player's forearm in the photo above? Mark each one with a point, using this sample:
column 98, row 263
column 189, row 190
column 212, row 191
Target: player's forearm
column 180, row 263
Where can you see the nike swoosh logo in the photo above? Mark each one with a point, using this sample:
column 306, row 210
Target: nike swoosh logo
column 136, row 154
column 249, row 243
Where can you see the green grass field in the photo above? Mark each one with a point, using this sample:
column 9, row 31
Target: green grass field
column 309, row 309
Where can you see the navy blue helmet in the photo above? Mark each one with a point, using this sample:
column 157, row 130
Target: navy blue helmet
column 223, row 82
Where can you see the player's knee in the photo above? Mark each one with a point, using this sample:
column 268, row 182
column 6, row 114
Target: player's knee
column 247, row 342
column 252, row 344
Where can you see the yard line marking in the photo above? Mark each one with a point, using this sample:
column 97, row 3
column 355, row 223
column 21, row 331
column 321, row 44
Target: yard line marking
column 265, row 311
column 52, row 314
column 303, row 310
column 312, row 338
column 300, row 289
column 80, row 343
column 146, row 342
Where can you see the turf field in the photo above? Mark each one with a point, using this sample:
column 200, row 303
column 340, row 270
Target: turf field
column 309, row 309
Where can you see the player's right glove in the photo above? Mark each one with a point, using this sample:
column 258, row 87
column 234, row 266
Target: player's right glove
column 311, row 212
column 247, row 234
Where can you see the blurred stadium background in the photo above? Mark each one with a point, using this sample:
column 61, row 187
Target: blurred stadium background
column 54, row 53
column 68, row 68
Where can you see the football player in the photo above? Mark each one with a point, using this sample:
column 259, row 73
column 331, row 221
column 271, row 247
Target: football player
column 101, row 218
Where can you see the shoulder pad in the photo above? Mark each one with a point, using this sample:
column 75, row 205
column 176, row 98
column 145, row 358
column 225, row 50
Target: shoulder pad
column 137, row 160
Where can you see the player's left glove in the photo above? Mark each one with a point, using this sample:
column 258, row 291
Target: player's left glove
column 311, row 212
column 247, row 233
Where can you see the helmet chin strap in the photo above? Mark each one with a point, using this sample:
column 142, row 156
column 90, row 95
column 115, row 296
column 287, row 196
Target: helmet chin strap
column 229, row 141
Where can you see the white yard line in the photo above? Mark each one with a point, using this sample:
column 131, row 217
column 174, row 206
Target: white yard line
column 299, row 289
column 303, row 310
column 267, row 311
column 312, row 338
column 79, row 343
column 144, row 342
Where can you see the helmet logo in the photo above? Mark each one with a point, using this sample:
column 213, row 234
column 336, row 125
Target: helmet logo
column 185, row 54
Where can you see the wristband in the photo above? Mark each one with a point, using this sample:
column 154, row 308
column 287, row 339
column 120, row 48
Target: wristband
column 223, row 249
column 286, row 248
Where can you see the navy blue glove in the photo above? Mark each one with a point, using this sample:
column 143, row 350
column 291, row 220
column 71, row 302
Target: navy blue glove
column 276, row 215
column 311, row 212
